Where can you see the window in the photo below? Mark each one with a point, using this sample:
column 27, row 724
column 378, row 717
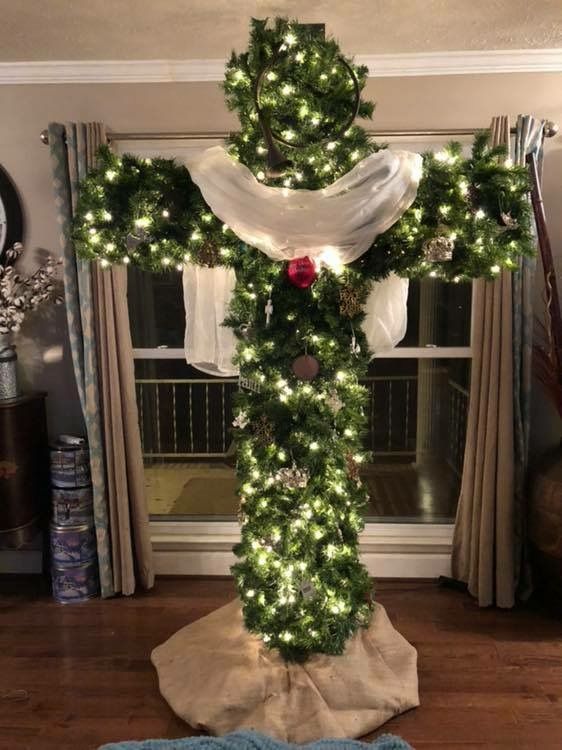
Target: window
column 418, row 404
column 417, row 409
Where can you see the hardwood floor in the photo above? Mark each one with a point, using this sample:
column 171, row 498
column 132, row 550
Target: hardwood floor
column 77, row 676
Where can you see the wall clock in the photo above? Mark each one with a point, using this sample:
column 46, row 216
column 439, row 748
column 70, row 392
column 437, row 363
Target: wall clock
column 11, row 214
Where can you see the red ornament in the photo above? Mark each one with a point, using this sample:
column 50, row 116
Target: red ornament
column 301, row 272
column 306, row 367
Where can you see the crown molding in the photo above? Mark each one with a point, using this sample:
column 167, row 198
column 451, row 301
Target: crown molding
column 467, row 62
column 192, row 71
column 111, row 71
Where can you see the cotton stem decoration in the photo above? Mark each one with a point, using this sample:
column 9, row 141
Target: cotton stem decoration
column 299, row 429
column 20, row 294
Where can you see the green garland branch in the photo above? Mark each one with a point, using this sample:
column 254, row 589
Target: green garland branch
column 150, row 213
column 299, row 443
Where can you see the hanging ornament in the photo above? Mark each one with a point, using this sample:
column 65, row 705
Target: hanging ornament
column 438, row 248
column 133, row 240
column 292, row 477
column 352, row 468
column 307, row 590
column 208, row 255
column 250, row 384
column 263, row 430
column 270, row 542
column 301, row 272
column 268, row 312
column 508, row 221
column 334, row 402
column 473, row 197
column 350, row 302
column 354, row 347
column 241, row 421
column 305, row 367
column 245, row 330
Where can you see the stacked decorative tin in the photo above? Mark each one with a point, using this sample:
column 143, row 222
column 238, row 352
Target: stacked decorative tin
column 74, row 568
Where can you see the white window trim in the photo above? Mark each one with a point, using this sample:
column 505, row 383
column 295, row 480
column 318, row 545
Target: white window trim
column 388, row 550
column 406, row 352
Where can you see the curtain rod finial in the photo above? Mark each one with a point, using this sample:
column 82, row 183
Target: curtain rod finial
column 44, row 136
column 551, row 128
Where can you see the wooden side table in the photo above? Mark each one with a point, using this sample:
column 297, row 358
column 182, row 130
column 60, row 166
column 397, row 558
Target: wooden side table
column 24, row 469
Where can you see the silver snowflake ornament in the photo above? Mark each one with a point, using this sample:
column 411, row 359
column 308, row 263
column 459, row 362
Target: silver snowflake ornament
column 292, row 477
column 334, row 402
column 241, row 421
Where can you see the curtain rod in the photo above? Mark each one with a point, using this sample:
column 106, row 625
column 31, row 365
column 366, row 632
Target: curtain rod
column 550, row 130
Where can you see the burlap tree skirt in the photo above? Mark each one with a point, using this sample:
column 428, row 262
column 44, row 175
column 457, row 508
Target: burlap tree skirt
column 218, row 677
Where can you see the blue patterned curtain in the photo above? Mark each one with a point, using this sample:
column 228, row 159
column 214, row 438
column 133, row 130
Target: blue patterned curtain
column 73, row 147
column 528, row 140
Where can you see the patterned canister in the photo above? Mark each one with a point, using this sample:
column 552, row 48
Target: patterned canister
column 72, row 545
column 75, row 583
column 72, row 507
column 70, row 462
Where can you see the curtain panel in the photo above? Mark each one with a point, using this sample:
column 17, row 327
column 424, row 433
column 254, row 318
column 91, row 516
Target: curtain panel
column 102, row 358
column 489, row 544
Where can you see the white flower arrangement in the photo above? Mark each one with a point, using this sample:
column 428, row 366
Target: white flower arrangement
column 19, row 294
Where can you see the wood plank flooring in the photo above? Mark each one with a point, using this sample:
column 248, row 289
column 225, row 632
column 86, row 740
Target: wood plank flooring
column 77, row 676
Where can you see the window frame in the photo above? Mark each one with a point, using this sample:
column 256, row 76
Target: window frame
column 389, row 549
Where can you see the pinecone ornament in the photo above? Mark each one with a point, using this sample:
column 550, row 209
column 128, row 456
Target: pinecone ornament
column 208, row 255
column 352, row 468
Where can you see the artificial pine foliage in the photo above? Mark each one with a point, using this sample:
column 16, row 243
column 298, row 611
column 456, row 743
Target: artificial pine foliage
column 299, row 444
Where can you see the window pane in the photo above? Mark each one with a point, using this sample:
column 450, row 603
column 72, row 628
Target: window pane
column 417, row 427
column 417, row 421
column 185, row 418
column 156, row 308
column 438, row 313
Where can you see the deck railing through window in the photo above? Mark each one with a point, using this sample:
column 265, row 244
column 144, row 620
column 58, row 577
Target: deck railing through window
column 191, row 418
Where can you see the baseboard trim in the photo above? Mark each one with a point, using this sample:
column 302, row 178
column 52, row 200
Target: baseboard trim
column 388, row 550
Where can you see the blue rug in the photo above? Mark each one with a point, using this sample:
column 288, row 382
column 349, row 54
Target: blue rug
column 255, row 741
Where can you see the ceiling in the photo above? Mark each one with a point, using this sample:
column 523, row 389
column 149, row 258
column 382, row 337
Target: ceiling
column 207, row 29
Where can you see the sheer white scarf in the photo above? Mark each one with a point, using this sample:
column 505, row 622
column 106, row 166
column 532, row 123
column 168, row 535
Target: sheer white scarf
column 334, row 226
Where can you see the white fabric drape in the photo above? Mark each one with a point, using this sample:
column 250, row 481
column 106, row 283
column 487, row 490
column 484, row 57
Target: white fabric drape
column 336, row 224
column 386, row 314
column 209, row 346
